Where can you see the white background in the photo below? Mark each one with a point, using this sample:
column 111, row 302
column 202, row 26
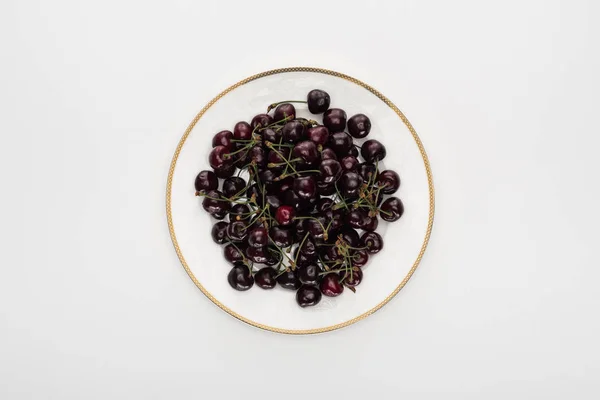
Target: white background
column 94, row 97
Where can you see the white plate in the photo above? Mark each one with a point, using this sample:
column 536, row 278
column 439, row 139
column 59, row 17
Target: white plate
column 404, row 240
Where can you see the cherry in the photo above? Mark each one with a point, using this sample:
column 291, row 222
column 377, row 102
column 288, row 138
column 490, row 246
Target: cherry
column 372, row 150
column 277, row 159
column 318, row 101
column 325, row 204
column 335, row 119
column 233, row 186
column 335, row 219
column 257, row 254
column 360, row 258
column 293, row 131
column 273, row 256
column 267, row 177
column 219, row 232
column 352, row 278
column 331, row 170
column 301, row 259
column 289, row 280
column 359, row 126
column 273, row 201
column 257, row 154
column 214, row 203
column 353, row 151
column 283, row 111
column 350, row 184
column 261, row 121
column 367, row 171
column 286, row 184
column 315, row 226
column 350, row 237
column 254, row 191
column 371, row 223
column 372, row 241
column 236, row 231
column 305, row 187
column 332, row 253
column 325, row 189
column 206, row 181
column 290, row 198
column 265, row 278
column 308, row 296
column 341, row 143
column 242, row 131
column 285, row 215
column 319, row 134
column 391, row 209
column 307, row 151
column 239, row 212
column 271, row 135
column 223, row 138
column 331, row 286
column 240, row 278
column 258, row 237
column 225, row 171
column 349, row 163
column 328, row 153
column 390, row 180
column 233, row 253
column 356, row 218
column 309, row 274
column 219, row 157
column 282, row 237
column 309, row 248
column 299, row 229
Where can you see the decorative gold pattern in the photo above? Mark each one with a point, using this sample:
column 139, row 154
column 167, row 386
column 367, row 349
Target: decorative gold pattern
column 429, row 179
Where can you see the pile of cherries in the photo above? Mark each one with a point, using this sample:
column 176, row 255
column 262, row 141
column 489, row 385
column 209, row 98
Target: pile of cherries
column 309, row 190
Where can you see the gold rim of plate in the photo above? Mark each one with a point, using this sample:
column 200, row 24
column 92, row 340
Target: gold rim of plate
column 429, row 180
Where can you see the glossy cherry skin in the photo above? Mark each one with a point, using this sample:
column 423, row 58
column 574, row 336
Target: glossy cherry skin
column 334, row 218
column 233, row 185
column 372, row 150
column 335, row 119
column 372, row 241
column 233, row 253
column 309, row 274
column 285, row 111
column 273, row 201
column 270, row 135
column 242, row 131
column 267, row 177
column 301, row 259
column 258, row 155
column 360, row 258
column 318, row 101
column 308, row 296
column 265, row 278
column 350, row 184
column 353, row 278
column 332, row 254
column 206, row 181
column 276, row 160
column 239, row 212
column 359, row 126
column 285, row 215
column 316, row 226
column 219, row 157
column 327, row 154
column 254, row 191
column 219, row 232
column 257, row 254
column 236, row 231
column 341, row 143
column 349, row 163
column 366, row 171
column 293, row 132
column 331, row 170
column 213, row 203
column 305, row 187
column 261, row 121
column 391, row 209
column 353, row 151
column 350, row 237
column 240, row 278
column 225, row 172
column 289, row 280
column 223, row 138
column 258, row 237
column 319, row 134
column 307, row 151
column 390, row 180
column 309, row 248
column 331, row 286
column 286, row 184
column 273, row 256
column 282, row 237
column 371, row 223
column 325, row 189
column 325, row 204
column 356, row 218
column 299, row 230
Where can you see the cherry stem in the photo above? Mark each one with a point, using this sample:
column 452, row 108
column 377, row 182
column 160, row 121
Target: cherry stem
column 273, row 105
column 300, row 248
column 283, row 176
column 270, row 145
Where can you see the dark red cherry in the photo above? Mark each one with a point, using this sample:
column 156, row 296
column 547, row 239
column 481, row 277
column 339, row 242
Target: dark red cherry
column 240, row 278
column 219, row 157
column 290, row 198
column 239, row 212
column 372, row 241
column 267, row 177
column 319, row 134
column 335, row 119
column 309, row 274
column 308, row 248
column 353, row 151
column 282, row 237
column 325, row 204
column 237, row 231
column 273, row 256
column 257, row 254
column 289, row 280
column 341, row 143
column 350, row 237
column 305, row 187
column 258, row 237
column 242, row 131
column 257, row 154
column 391, row 209
column 359, row 126
column 286, row 184
column 332, row 253
column 352, row 278
column 308, row 296
column 371, row 223
column 307, row 151
column 223, row 138
column 285, row 215
column 265, row 278
column 293, row 131
column 331, row 286
column 254, row 191
column 261, row 121
column 285, row 111
column 366, row 171
column 390, row 180
column 277, row 159
column 356, row 218
column 225, row 172
column 273, row 201
column 233, row 253
column 271, row 135
column 372, row 150
column 233, row 186
column 325, row 189
column 219, row 232
column 327, row 154
column 318, row 101
column 331, row 170
column 334, row 218
column 301, row 259
column 350, row 184
column 349, row 163
column 299, row 230
column 316, row 227
column 214, row 203
column 206, row 181
column 360, row 258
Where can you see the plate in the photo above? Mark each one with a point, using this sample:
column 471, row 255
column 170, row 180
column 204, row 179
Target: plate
column 405, row 240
